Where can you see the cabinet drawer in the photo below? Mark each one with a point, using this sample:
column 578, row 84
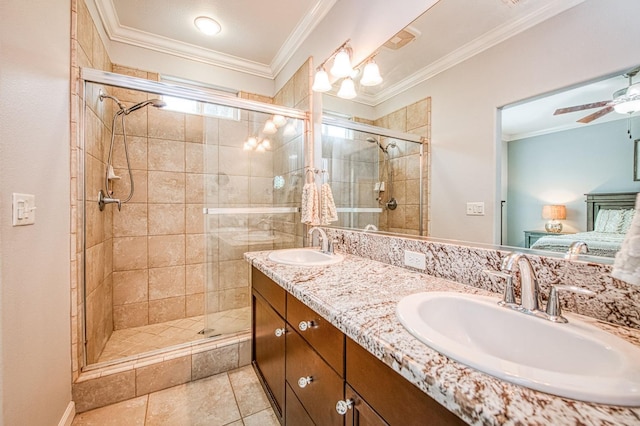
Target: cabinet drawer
column 272, row 292
column 319, row 397
column 394, row 398
column 327, row 340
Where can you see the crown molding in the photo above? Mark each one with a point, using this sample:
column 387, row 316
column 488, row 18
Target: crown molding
column 510, row 137
column 475, row 47
column 122, row 34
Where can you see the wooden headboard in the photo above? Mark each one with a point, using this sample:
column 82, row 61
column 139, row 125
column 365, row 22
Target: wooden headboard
column 611, row 201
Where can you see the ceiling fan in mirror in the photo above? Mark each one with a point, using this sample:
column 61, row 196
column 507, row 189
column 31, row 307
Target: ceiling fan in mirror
column 625, row 101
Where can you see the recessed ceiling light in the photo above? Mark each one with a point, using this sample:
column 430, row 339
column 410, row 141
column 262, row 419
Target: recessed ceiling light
column 207, row 25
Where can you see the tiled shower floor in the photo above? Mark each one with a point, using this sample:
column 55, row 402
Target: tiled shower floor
column 138, row 340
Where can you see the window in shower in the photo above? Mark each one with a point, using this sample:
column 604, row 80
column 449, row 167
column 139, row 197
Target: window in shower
column 167, row 269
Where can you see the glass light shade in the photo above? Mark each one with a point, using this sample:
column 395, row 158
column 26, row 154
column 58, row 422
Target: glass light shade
column 321, row 82
column 260, row 148
column 207, row 25
column 279, row 120
column 266, row 144
column 347, row 89
column 247, row 147
column 269, row 127
column 341, row 65
column 371, row 75
column 252, row 142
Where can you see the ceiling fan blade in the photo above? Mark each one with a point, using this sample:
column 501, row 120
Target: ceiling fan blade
column 589, row 118
column 581, row 107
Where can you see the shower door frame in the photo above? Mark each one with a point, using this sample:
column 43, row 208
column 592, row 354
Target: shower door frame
column 94, row 76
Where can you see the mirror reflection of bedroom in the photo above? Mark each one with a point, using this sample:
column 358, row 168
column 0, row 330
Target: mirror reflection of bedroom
column 570, row 167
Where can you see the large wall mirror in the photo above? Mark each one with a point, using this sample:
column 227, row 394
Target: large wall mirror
column 492, row 87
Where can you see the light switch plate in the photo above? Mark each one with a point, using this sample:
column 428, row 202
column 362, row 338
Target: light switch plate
column 24, row 209
column 475, row 208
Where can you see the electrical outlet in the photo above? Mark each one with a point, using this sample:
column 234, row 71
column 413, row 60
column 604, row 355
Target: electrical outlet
column 475, row 209
column 415, row 259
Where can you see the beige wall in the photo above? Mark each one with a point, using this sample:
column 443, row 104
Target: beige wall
column 35, row 362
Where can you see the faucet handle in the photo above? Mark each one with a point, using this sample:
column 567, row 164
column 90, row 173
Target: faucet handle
column 509, row 296
column 553, row 305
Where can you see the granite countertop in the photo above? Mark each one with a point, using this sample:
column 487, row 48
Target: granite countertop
column 359, row 297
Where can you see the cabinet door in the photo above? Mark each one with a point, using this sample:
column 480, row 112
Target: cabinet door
column 315, row 384
column 268, row 348
column 360, row 413
column 296, row 415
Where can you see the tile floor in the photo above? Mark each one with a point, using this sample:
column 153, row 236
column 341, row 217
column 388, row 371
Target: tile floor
column 235, row 398
column 138, row 340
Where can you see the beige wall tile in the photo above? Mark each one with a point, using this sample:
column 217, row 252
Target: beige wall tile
column 167, row 219
column 137, row 146
column 122, row 187
column 131, row 412
column 194, row 128
column 261, row 190
column 194, row 219
column 194, row 158
column 417, row 114
column 194, row 278
column 166, row 250
column 165, row 124
column 232, row 133
column 130, row 287
column 215, row 361
column 195, row 304
column 233, row 160
column 166, row 155
column 261, row 164
column 233, row 274
column 103, row 391
column 94, row 267
column 129, row 253
column 131, row 315
column 166, row 309
column 244, row 353
column 195, row 188
column 234, row 190
column 234, row 298
column 163, row 375
column 131, row 221
column 166, row 187
column 166, row 282
column 195, row 249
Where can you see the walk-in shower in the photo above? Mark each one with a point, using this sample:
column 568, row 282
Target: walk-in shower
column 376, row 175
column 107, row 196
column 168, row 269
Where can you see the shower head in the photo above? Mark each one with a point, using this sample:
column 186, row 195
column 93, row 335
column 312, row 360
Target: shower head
column 377, row 142
column 154, row 102
column 372, row 140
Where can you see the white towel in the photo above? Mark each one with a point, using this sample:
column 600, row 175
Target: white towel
column 329, row 213
column 310, row 210
column 626, row 266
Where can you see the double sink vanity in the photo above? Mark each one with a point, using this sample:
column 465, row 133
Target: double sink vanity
column 344, row 339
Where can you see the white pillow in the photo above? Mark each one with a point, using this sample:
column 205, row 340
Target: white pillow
column 612, row 221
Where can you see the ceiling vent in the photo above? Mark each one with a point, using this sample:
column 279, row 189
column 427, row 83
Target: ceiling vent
column 404, row 37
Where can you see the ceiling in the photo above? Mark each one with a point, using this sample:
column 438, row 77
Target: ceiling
column 259, row 37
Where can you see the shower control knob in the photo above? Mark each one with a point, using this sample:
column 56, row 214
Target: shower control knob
column 304, row 381
column 343, row 406
column 280, row 332
column 305, row 325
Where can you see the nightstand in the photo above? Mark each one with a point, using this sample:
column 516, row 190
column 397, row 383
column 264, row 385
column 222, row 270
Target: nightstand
column 531, row 237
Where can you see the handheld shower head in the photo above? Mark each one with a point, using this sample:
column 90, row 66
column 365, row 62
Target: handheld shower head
column 154, row 102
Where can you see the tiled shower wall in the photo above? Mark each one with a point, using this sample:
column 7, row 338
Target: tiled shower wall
column 405, row 160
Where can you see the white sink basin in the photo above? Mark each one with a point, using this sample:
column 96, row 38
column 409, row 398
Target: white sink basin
column 574, row 360
column 304, row 257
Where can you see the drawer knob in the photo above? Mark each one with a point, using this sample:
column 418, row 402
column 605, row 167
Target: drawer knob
column 280, row 331
column 343, row 406
column 305, row 325
column 304, row 381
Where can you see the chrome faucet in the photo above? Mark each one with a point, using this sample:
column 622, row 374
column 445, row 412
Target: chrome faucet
column 324, row 241
column 530, row 299
column 528, row 280
column 575, row 249
column 103, row 200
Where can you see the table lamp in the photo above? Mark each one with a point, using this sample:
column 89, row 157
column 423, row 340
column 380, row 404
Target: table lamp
column 554, row 213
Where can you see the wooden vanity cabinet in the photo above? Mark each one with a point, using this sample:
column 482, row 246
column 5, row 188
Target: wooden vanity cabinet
column 268, row 342
column 332, row 368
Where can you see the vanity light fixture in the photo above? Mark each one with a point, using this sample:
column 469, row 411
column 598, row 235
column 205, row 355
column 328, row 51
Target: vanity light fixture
column 342, row 69
column 269, row 127
column 553, row 213
column 253, row 144
column 207, row 25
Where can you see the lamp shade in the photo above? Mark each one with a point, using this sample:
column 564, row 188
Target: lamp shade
column 347, row 89
column 554, row 212
column 341, row 65
column 321, row 82
column 371, row 75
